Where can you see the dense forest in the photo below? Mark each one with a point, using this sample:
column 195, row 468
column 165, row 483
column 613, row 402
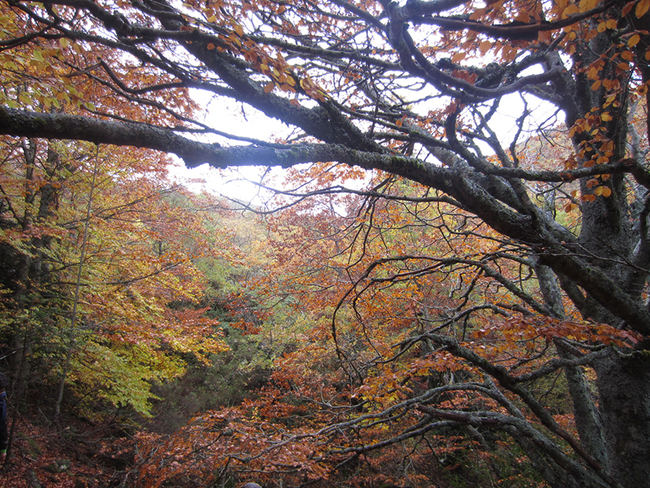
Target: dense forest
column 442, row 282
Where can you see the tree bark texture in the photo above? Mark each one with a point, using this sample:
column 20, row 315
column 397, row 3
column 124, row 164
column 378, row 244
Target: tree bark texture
column 624, row 393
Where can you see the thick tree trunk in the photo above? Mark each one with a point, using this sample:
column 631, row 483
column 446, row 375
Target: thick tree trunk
column 624, row 387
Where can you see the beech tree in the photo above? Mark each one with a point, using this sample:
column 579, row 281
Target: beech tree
column 449, row 94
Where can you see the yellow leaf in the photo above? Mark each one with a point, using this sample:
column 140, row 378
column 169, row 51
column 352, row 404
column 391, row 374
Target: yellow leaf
column 641, row 8
column 592, row 182
column 634, row 40
column 570, row 10
column 604, row 191
column 586, row 5
column 570, row 207
column 457, row 57
column 269, row 87
column 605, row 117
column 484, row 46
column 593, row 72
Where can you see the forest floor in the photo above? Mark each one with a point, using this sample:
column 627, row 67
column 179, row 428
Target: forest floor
column 78, row 455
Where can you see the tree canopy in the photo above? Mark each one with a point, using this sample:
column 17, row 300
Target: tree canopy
column 509, row 136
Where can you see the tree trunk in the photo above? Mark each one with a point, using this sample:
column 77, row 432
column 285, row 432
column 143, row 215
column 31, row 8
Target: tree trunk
column 624, row 387
column 585, row 412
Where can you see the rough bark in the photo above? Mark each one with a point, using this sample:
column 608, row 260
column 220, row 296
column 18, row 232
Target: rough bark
column 624, row 388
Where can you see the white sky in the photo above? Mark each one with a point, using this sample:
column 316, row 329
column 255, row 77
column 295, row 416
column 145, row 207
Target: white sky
column 232, row 117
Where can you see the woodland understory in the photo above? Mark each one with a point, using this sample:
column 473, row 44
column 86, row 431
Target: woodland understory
column 441, row 280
